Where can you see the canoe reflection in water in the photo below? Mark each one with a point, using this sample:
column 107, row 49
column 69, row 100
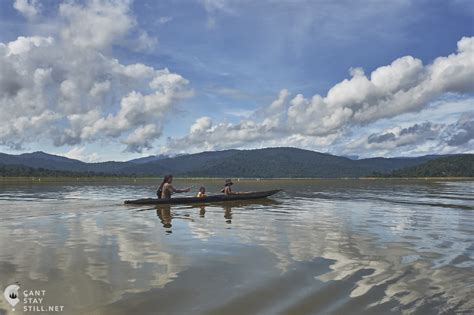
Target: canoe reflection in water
column 166, row 215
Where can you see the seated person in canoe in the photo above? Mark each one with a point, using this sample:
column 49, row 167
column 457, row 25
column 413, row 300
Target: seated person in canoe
column 202, row 192
column 227, row 190
column 166, row 189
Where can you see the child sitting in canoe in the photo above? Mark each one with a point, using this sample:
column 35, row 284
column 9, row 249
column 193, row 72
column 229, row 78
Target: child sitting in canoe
column 202, row 192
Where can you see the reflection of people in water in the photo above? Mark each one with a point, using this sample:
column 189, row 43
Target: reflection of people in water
column 202, row 211
column 228, row 214
column 164, row 213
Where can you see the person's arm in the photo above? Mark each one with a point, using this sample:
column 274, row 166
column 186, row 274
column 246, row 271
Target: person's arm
column 174, row 190
column 229, row 191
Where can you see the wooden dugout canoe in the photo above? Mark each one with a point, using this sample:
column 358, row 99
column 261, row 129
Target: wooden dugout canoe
column 212, row 198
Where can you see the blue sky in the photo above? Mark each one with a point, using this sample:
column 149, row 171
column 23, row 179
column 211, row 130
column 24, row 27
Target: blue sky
column 85, row 79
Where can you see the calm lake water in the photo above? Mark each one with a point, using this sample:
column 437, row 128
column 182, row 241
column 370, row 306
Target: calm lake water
column 319, row 247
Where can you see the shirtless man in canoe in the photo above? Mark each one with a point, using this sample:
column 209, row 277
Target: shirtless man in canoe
column 166, row 189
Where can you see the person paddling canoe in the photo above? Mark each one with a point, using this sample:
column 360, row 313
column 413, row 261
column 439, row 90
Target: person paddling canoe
column 166, row 189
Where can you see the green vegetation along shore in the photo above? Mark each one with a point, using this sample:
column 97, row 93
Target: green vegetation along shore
column 452, row 166
column 261, row 163
column 25, row 171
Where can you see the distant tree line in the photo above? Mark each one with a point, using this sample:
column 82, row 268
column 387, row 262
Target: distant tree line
column 24, row 171
column 451, row 166
column 267, row 164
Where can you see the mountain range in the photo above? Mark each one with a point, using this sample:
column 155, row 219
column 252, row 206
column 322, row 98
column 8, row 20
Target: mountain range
column 263, row 163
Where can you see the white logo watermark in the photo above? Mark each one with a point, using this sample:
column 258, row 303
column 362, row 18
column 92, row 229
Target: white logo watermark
column 33, row 300
column 11, row 295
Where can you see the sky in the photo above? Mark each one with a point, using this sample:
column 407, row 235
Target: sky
column 119, row 79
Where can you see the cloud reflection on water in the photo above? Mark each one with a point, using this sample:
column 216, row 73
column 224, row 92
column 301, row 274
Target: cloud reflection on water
column 94, row 253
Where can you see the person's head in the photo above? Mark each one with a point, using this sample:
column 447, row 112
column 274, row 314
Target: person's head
column 228, row 182
column 202, row 190
column 167, row 179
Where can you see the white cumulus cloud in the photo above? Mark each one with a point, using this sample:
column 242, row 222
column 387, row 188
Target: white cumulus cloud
column 69, row 88
column 404, row 86
column 28, row 8
column 79, row 153
column 142, row 138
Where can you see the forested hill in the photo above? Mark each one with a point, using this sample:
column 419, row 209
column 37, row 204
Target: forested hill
column 25, row 171
column 261, row 163
column 451, row 166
